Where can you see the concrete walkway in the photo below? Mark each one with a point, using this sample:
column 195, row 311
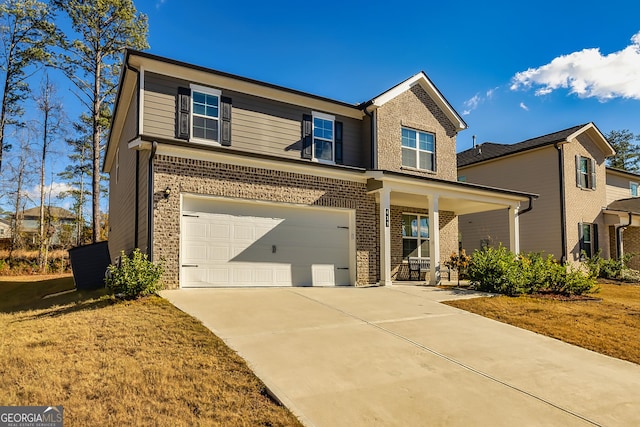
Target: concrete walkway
column 395, row 356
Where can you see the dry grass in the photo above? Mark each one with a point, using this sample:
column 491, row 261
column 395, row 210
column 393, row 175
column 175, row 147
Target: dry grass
column 608, row 325
column 123, row 363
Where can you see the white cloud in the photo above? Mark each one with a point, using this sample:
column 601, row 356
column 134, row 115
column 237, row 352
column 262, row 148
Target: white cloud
column 524, row 107
column 477, row 99
column 160, row 3
column 54, row 188
column 588, row 74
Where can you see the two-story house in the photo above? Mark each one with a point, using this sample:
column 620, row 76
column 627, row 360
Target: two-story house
column 234, row 182
column 567, row 169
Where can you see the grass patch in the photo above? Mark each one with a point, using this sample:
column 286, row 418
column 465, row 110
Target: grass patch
column 606, row 325
column 141, row 362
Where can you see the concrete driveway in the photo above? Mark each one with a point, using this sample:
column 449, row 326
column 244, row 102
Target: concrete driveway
column 396, row 356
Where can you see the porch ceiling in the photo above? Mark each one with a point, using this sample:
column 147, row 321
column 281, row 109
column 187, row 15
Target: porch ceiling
column 458, row 205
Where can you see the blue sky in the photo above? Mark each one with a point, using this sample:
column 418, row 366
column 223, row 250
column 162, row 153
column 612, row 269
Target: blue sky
column 513, row 70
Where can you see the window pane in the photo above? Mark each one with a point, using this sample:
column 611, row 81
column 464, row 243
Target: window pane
column 586, row 233
column 409, row 226
column 426, row 141
column 205, row 128
column 634, row 190
column 323, row 149
column 409, row 248
column 198, row 97
column 408, row 157
column 424, row 227
column 408, row 138
column 424, row 249
column 426, row 161
column 323, row 128
column 584, row 164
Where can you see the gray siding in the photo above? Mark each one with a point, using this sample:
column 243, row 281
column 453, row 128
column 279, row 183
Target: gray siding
column 258, row 125
column 618, row 186
column 122, row 189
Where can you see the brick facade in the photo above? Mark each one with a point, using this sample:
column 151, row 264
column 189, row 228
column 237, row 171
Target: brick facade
column 218, row 179
column 631, row 243
column 416, row 110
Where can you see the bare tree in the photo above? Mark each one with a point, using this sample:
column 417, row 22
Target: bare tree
column 52, row 116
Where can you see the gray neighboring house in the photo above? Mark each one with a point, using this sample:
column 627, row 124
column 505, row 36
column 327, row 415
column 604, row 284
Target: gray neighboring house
column 57, row 222
column 5, row 229
column 237, row 182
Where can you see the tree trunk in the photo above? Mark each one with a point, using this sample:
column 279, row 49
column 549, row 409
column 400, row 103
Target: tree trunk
column 95, row 235
column 42, row 237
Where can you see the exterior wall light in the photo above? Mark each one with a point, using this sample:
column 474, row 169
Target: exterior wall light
column 166, row 193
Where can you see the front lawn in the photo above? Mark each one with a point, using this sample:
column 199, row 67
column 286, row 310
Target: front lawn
column 608, row 323
column 122, row 363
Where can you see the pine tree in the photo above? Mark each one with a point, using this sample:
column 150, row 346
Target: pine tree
column 627, row 155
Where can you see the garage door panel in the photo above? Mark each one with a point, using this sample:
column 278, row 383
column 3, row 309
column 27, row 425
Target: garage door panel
column 252, row 244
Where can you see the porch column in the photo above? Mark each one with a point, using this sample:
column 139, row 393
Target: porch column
column 385, row 236
column 434, row 240
column 514, row 229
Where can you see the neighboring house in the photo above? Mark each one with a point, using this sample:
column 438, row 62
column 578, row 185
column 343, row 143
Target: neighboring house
column 622, row 214
column 575, row 211
column 59, row 224
column 233, row 181
column 5, row 229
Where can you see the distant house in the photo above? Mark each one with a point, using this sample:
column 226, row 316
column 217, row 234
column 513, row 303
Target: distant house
column 584, row 206
column 59, row 222
column 5, row 229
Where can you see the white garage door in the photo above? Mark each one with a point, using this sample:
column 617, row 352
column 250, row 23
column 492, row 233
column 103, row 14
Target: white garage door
column 228, row 243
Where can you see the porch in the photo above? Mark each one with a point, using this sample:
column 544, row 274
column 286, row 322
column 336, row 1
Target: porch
column 418, row 217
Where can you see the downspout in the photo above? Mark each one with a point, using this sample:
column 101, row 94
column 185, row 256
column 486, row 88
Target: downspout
column 136, row 224
column 619, row 230
column 154, row 147
column 529, row 208
column 372, row 132
column 563, row 213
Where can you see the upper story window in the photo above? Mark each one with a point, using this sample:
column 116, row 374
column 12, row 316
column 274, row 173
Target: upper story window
column 585, row 172
column 633, row 186
column 321, row 138
column 205, row 113
column 418, row 149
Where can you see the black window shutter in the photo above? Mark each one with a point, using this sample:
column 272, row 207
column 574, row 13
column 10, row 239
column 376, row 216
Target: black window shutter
column 183, row 109
column 592, row 177
column 338, row 131
column 594, row 239
column 225, row 121
column 307, row 137
column 581, row 238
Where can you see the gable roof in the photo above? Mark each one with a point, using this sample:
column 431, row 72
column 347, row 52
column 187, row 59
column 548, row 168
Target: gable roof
column 623, row 172
column 489, row 150
column 423, row 80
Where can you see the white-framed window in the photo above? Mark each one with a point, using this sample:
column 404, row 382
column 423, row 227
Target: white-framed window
column 205, row 113
column 415, row 235
column 588, row 239
column 585, row 172
column 418, row 149
column 323, row 137
column 633, row 187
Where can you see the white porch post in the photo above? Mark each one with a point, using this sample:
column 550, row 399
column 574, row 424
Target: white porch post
column 434, row 240
column 514, row 229
column 385, row 236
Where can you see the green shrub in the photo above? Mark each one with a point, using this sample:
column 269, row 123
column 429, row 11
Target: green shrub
column 135, row 277
column 500, row 271
column 606, row 268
